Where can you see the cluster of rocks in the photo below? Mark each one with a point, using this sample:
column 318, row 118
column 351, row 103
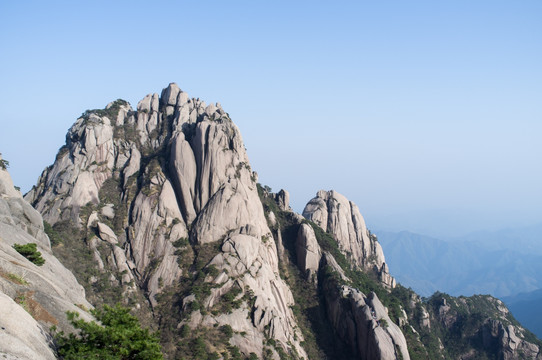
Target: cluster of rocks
column 184, row 174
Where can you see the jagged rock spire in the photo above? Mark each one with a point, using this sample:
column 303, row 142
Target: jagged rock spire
column 340, row 217
column 182, row 180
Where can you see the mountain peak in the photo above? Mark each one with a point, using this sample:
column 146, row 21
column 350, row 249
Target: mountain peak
column 337, row 215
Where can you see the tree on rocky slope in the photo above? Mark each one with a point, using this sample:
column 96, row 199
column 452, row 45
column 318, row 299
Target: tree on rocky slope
column 118, row 337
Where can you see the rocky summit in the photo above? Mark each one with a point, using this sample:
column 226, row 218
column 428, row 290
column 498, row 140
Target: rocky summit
column 157, row 208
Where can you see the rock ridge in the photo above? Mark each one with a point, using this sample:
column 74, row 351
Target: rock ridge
column 32, row 298
column 153, row 188
column 335, row 214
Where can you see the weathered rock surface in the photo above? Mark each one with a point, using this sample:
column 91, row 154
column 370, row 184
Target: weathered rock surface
column 363, row 322
column 308, row 252
column 21, row 337
column 185, row 181
column 340, row 217
column 32, row 298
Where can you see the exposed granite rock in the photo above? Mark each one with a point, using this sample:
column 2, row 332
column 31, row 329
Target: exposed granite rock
column 340, row 217
column 46, row 291
column 106, row 234
column 363, row 323
column 308, row 252
column 184, row 175
column 283, row 200
column 501, row 336
column 514, row 347
column 21, row 337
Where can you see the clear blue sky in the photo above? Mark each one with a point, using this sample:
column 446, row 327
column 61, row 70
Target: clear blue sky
column 427, row 114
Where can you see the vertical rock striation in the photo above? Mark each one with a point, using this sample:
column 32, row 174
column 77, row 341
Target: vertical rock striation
column 184, row 181
column 340, row 217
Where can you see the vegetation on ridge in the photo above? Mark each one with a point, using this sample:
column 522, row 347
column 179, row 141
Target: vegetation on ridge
column 4, row 164
column 30, row 251
column 118, row 336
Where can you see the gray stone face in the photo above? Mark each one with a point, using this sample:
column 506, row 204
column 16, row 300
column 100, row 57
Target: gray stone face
column 202, row 189
column 340, row 217
column 308, row 252
column 46, row 291
column 283, row 200
column 363, row 324
column 22, row 337
column 360, row 320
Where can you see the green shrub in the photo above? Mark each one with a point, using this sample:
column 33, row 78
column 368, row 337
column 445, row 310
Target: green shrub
column 119, row 337
column 18, row 279
column 30, row 252
column 181, row 242
column 227, row 331
column 53, row 235
column 4, row 164
column 185, row 331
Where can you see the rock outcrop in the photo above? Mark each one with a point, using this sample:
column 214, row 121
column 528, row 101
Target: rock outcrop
column 485, row 318
column 308, row 252
column 363, row 322
column 32, row 298
column 157, row 185
column 340, row 217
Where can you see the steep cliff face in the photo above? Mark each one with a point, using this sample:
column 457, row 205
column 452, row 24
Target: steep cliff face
column 32, row 297
column 358, row 323
column 166, row 200
column 359, row 319
column 340, row 217
column 371, row 319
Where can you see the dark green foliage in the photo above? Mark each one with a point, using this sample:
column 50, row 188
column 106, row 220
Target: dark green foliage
column 111, row 113
column 226, row 330
column 462, row 325
column 111, row 193
column 185, row 331
column 199, row 349
column 75, row 254
column 182, row 242
column 53, row 235
column 205, row 343
column 30, row 251
column 235, row 353
column 4, row 164
column 119, row 336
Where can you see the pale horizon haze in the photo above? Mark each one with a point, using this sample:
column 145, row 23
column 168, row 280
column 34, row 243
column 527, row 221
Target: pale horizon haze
column 428, row 115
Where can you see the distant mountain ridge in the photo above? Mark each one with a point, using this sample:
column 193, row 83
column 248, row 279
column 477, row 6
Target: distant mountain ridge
column 465, row 267
column 506, row 264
